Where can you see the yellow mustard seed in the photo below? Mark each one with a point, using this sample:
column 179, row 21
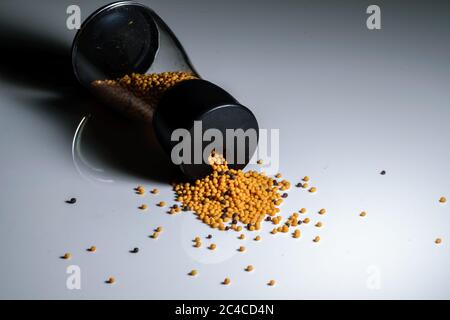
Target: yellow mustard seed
column 212, row 246
column 155, row 235
column 296, row 233
column 278, row 175
column 312, row 189
column 198, row 244
column 241, row 249
column 257, row 238
column 438, row 241
column 259, row 162
column 249, row 268
column 230, row 199
column 143, row 207
column 161, row 204
column 154, row 191
column 322, row 211
column 226, row 281
column 159, row 229
column 146, row 89
column 241, row 236
column 197, row 239
column 67, row 256
column 193, row 273
column 316, row 239
column 305, row 185
column 274, row 231
column 303, row 210
column 271, row 283
column 362, row 214
column 111, row 280
column 305, row 178
column 306, row 220
column 319, row 224
column 92, row 249
column 140, row 190
column 442, row 200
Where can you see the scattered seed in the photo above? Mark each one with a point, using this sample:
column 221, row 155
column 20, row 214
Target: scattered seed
column 296, row 233
column 257, row 238
column 284, row 195
column 159, row 229
column 316, row 239
column 278, row 175
column 111, row 280
column 198, row 244
column 299, row 185
column 249, row 268
column 442, row 200
column 271, row 283
column 229, row 195
column 226, row 281
column 322, row 211
column 241, row 236
column 155, row 235
column 302, row 210
column 72, row 200
column 135, row 250
column 241, row 249
column 438, row 241
column 312, row 189
column 193, row 273
column 362, row 214
column 154, row 191
column 306, row 220
column 92, row 249
column 305, row 178
column 383, row 172
column 259, row 161
column 161, row 204
column 318, row 224
column 143, row 207
column 212, row 246
column 209, row 236
column 67, row 256
column 305, row 185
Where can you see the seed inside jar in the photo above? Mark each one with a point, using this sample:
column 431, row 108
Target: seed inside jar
column 138, row 94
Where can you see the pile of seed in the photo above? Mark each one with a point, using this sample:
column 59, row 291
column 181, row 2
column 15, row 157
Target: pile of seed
column 227, row 197
column 138, row 94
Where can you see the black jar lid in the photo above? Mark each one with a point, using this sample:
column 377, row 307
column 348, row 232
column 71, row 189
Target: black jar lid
column 117, row 39
column 201, row 100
